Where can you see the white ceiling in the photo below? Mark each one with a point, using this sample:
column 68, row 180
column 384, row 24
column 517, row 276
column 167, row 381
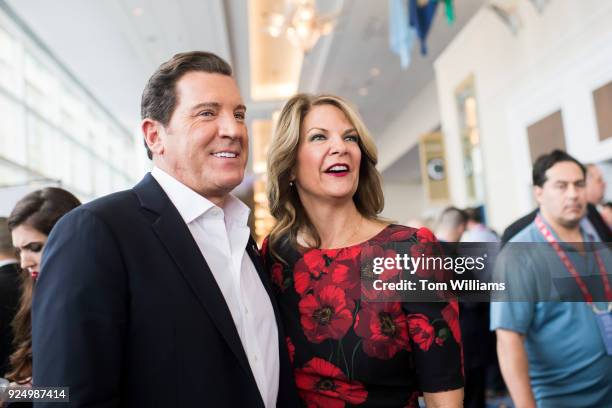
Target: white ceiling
column 113, row 52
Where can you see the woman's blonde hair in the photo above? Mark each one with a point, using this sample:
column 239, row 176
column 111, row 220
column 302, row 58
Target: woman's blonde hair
column 284, row 201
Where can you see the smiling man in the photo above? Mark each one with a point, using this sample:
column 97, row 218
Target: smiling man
column 155, row 296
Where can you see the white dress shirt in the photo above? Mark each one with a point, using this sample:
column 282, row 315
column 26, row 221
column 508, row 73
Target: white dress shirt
column 222, row 235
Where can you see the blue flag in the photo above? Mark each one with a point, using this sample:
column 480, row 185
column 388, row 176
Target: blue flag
column 401, row 34
column 421, row 17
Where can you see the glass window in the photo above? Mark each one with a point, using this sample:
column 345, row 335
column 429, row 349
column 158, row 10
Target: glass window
column 12, row 140
column 51, row 125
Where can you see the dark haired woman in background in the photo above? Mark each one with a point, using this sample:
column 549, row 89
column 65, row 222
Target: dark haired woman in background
column 30, row 223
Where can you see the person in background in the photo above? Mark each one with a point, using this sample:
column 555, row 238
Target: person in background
column 9, row 294
column 595, row 193
column 475, row 230
column 593, row 222
column 473, row 316
column 451, row 225
column 325, row 192
column 30, row 223
column 606, row 213
column 595, row 184
column 551, row 353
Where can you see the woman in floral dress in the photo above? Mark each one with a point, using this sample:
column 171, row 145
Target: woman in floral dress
column 348, row 346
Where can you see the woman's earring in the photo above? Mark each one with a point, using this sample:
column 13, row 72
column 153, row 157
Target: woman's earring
column 291, row 184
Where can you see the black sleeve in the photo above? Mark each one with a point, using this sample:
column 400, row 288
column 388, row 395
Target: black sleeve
column 79, row 312
column 605, row 235
column 517, row 226
column 9, row 302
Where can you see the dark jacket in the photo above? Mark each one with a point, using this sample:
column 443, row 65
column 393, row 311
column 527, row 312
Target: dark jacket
column 593, row 215
column 9, row 302
column 127, row 313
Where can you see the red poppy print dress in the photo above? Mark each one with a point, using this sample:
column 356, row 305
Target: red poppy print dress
column 348, row 352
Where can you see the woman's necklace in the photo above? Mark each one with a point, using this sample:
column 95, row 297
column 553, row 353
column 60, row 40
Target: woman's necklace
column 348, row 240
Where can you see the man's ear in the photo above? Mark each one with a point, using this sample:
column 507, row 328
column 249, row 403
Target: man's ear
column 537, row 193
column 153, row 135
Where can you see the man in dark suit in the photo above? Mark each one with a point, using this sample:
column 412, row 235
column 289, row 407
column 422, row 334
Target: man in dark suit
column 9, row 294
column 155, row 296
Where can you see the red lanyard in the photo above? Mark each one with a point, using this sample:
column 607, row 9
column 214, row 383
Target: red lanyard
column 570, row 267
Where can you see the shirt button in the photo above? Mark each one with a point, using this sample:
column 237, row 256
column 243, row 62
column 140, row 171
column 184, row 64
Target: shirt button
column 255, row 358
column 246, row 310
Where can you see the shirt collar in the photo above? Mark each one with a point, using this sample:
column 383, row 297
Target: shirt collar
column 192, row 205
column 586, row 237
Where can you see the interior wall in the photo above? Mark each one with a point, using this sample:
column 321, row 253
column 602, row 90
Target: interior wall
column 403, row 202
column 555, row 62
column 420, row 116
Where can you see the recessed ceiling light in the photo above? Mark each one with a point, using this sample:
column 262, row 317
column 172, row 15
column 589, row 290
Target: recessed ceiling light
column 375, row 71
column 363, row 91
column 137, row 11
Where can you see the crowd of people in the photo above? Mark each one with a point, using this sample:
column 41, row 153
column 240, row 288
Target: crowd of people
column 159, row 296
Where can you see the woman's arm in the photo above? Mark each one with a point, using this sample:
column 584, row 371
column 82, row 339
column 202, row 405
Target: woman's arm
column 445, row 399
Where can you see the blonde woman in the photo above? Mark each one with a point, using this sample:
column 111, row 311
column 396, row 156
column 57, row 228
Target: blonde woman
column 325, row 194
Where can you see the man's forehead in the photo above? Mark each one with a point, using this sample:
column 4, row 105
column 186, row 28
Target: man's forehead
column 198, row 87
column 565, row 171
column 593, row 171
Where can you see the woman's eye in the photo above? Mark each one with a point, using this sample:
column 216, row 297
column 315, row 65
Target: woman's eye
column 317, row 137
column 35, row 247
column 352, row 138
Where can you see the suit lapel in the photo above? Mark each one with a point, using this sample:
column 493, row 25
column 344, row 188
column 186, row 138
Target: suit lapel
column 182, row 248
column 265, row 280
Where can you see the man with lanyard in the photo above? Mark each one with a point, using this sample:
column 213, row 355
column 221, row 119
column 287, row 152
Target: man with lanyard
column 552, row 353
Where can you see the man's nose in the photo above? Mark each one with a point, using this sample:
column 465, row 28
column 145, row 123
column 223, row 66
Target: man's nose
column 574, row 191
column 230, row 127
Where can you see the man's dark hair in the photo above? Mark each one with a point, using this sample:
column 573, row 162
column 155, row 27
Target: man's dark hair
column 159, row 97
column 546, row 161
column 473, row 214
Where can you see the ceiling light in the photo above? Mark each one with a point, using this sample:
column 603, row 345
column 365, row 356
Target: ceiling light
column 375, row 72
column 137, row 11
column 363, row 91
column 301, row 23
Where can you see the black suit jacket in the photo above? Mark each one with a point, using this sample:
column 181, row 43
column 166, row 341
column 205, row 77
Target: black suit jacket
column 592, row 214
column 127, row 313
column 9, row 302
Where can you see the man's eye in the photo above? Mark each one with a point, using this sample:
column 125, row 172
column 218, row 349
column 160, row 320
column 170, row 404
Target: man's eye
column 206, row 113
column 240, row 115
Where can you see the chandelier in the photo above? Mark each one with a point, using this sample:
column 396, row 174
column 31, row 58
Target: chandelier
column 301, row 24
